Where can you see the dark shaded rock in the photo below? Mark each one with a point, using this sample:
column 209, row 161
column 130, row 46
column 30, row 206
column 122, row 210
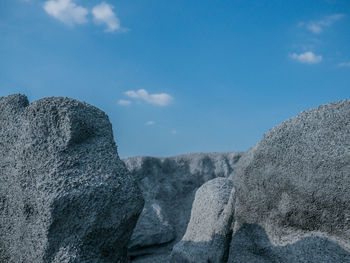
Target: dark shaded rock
column 296, row 181
column 65, row 196
column 170, row 184
column 208, row 233
column 152, row 228
column 250, row 244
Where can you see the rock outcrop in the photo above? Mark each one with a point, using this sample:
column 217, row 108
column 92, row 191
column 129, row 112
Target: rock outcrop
column 251, row 244
column 296, row 181
column 65, row 196
column 168, row 186
column 208, row 233
column 291, row 197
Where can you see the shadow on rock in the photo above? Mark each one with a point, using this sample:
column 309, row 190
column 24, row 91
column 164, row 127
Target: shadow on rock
column 168, row 186
column 251, row 244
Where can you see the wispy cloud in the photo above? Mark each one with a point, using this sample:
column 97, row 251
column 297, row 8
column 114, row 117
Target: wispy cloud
column 344, row 64
column 161, row 99
column 306, row 58
column 66, row 11
column 149, row 123
column 103, row 14
column 317, row 27
column 124, row 102
column 173, row 132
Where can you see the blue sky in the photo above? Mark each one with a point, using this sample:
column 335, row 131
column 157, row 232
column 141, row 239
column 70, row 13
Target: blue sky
column 179, row 76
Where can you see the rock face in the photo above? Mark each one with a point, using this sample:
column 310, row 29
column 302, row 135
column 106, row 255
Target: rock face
column 291, row 198
column 168, row 186
column 251, row 244
column 207, row 237
column 65, row 196
column 296, row 181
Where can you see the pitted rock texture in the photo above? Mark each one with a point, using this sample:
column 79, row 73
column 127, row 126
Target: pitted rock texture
column 208, row 233
column 296, row 181
column 251, row 244
column 291, row 197
column 168, row 186
column 65, row 196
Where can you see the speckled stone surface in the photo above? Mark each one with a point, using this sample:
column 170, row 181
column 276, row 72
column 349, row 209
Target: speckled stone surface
column 291, row 197
column 296, row 181
column 168, row 185
column 251, row 244
column 65, row 196
column 207, row 238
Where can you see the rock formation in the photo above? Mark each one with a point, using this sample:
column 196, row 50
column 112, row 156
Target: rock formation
column 207, row 237
column 251, row 244
column 296, row 181
column 168, row 186
column 294, row 184
column 65, row 196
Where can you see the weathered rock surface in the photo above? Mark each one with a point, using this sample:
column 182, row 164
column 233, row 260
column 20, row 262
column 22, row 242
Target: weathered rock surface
column 168, row 186
column 296, row 181
column 251, row 244
column 208, row 233
column 65, row 196
column 153, row 227
column 291, row 197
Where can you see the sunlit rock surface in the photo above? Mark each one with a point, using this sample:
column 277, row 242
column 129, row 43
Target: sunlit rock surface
column 65, row 196
column 291, row 197
column 296, row 181
column 208, row 234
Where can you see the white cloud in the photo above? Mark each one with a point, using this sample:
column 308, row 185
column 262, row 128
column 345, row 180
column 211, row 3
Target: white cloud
column 124, row 102
column 149, row 123
column 66, row 11
column 344, row 64
column 317, row 27
column 173, row 132
column 161, row 99
column 103, row 14
column 307, row 58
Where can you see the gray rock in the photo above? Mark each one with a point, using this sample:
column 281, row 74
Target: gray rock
column 251, row 244
column 152, row 228
column 208, row 233
column 295, row 182
column 170, row 184
column 65, row 196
